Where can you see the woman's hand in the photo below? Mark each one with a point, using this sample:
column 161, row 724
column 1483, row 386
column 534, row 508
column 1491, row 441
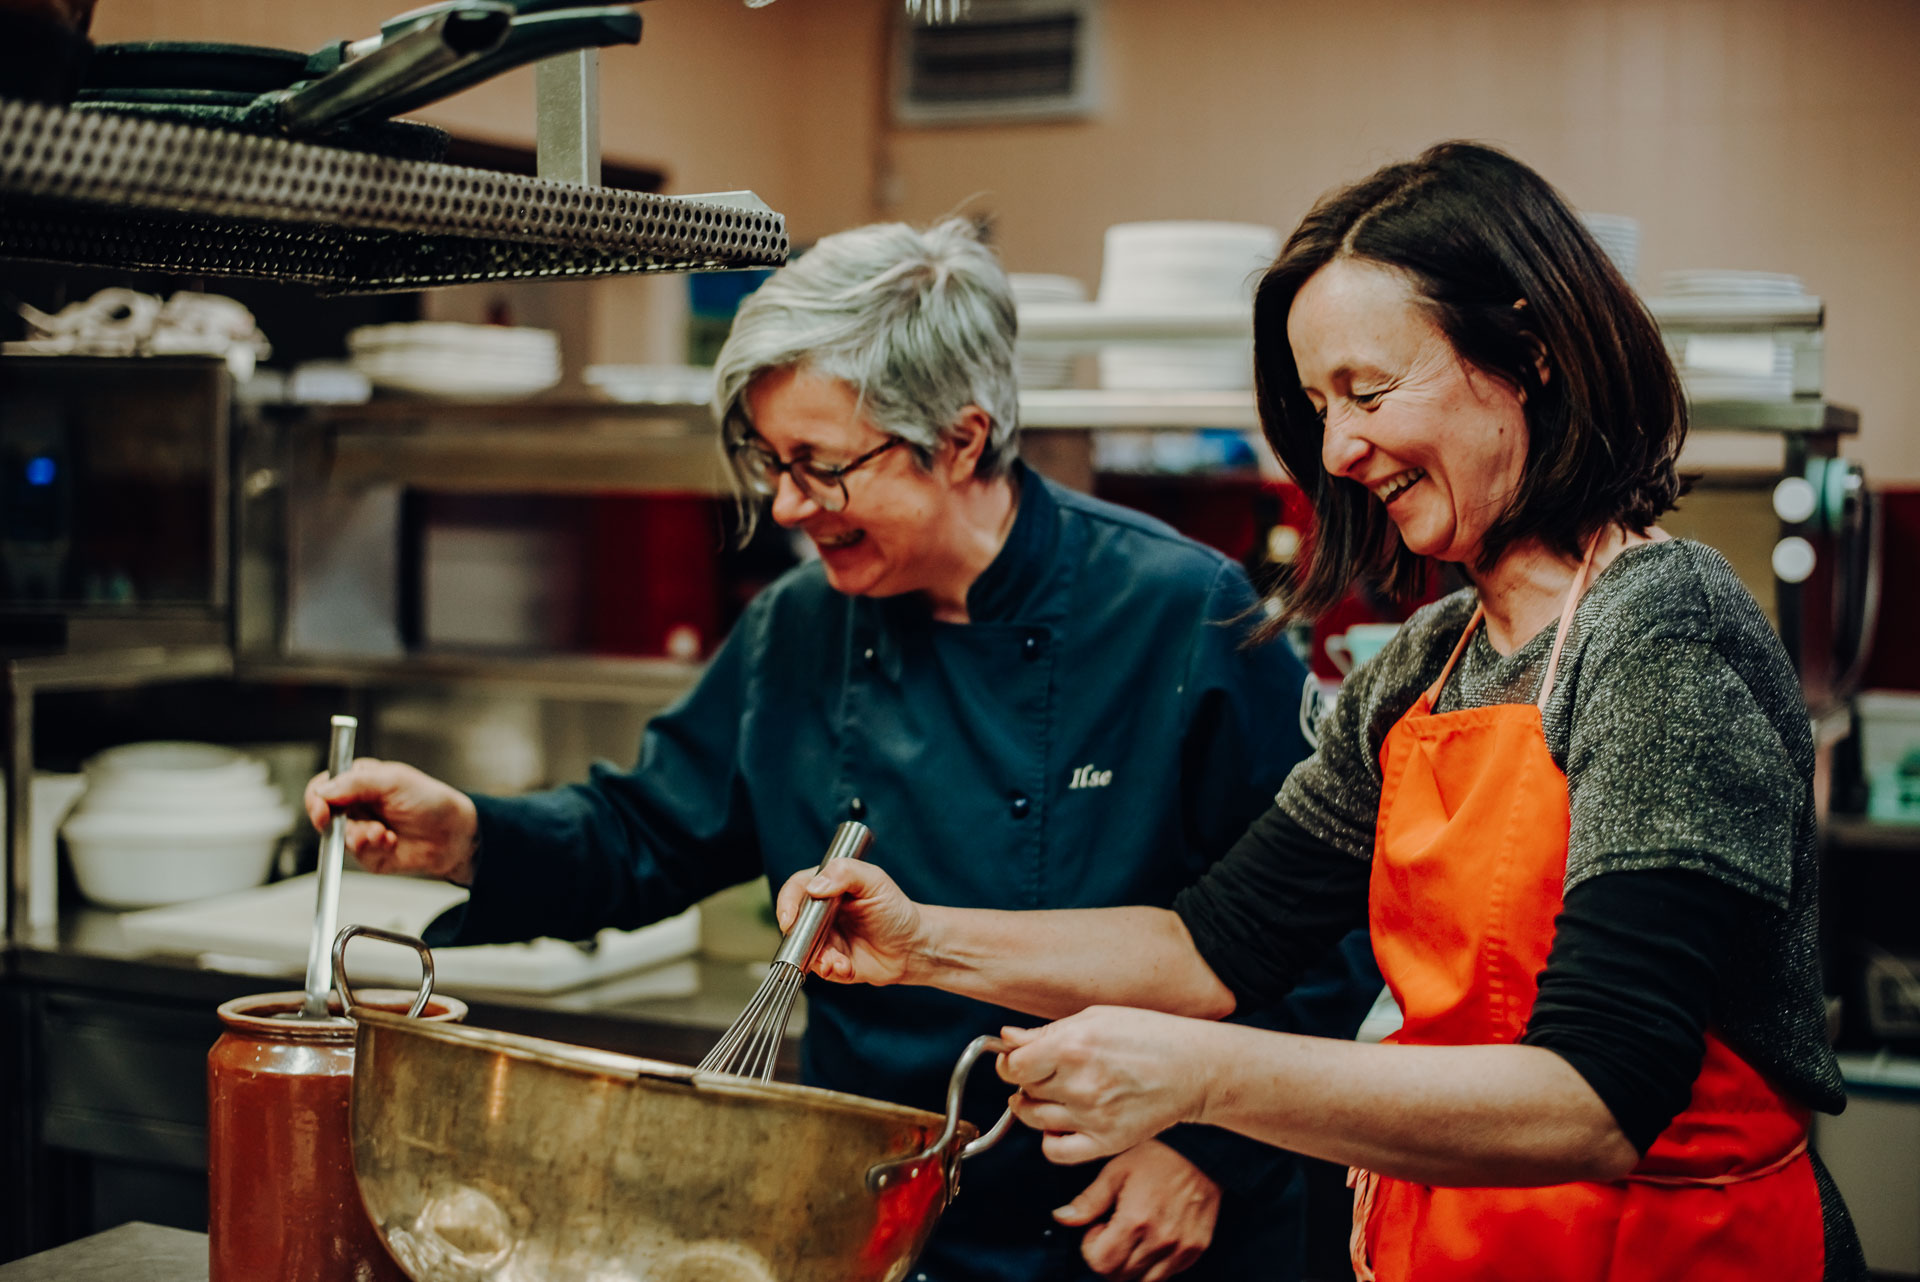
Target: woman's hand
column 1106, row 1079
column 398, row 819
column 876, row 935
column 1151, row 1212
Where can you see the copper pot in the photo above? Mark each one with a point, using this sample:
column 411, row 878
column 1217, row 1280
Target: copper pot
column 487, row 1155
column 281, row 1197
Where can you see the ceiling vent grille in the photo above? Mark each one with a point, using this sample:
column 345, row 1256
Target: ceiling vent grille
column 1000, row 60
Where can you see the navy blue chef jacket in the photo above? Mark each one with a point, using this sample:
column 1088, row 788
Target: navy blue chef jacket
column 1095, row 735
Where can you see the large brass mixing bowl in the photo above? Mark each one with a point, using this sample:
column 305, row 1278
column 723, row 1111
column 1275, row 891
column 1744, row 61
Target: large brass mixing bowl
column 484, row 1155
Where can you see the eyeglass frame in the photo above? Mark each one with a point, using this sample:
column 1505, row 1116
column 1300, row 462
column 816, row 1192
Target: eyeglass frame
column 751, row 442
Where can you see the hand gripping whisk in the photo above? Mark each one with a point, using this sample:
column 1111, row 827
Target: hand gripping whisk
column 752, row 1044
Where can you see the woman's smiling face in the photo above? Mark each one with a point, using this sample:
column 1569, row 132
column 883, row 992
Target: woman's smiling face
column 1440, row 443
column 886, row 540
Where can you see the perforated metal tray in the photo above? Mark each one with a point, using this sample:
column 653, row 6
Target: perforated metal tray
column 95, row 189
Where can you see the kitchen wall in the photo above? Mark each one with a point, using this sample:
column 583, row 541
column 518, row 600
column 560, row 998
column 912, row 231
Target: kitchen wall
column 1767, row 134
column 1763, row 134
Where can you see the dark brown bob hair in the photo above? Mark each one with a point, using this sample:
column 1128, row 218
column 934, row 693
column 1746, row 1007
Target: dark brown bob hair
column 1476, row 232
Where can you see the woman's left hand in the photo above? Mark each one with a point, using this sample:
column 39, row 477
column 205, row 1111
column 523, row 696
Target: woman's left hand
column 1103, row 1080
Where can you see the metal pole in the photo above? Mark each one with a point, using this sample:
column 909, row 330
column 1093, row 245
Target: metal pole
column 566, row 93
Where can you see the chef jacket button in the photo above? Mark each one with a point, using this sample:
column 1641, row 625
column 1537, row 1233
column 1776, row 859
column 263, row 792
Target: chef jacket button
column 1030, row 646
column 857, row 808
column 1020, row 805
column 870, row 657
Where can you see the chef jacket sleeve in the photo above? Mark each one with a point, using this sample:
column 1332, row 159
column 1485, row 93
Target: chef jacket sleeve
column 627, row 847
column 1241, row 725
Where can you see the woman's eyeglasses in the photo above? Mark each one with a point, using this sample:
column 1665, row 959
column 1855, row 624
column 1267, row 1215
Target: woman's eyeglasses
column 760, row 469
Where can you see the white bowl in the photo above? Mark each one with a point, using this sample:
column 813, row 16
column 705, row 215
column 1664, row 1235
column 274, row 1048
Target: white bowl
column 140, row 861
column 174, row 762
column 118, row 796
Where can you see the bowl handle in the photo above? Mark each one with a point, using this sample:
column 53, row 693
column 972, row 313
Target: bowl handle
column 882, row 1174
column 347, row 1003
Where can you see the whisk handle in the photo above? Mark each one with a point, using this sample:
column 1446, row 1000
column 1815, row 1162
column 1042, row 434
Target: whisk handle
column 802, row 944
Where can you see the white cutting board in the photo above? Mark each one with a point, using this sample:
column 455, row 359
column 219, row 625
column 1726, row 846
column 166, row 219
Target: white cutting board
column 274, row 922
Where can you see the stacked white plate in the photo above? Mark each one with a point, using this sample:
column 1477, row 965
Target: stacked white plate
column 653, row 384
column 163, row 822
column 1619, row 236
column 1034, row 368
column 1175, row 264
column 456, row 361
column 1737, row 365
column 1744, row 286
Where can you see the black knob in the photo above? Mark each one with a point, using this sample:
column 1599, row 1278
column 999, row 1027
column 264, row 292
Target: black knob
column 870, row 657
column 857, row 808
column 1030, row 647
column 1019, row 806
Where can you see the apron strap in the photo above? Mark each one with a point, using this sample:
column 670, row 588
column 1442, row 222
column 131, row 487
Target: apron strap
column 1459, row 648
column 1574, row 592
column 1774, row 1167
column 1363, row 1183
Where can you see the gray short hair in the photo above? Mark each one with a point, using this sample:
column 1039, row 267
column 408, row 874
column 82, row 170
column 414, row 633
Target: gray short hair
column 919, row 322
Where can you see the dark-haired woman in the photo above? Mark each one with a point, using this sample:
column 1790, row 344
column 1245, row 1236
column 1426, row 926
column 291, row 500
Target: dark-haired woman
column 1573, row 803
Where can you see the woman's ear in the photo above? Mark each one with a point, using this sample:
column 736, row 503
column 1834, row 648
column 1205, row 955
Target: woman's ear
column 1540, row 365
column 968, row 436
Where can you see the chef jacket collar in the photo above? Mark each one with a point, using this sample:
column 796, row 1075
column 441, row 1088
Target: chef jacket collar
column 1023, row 567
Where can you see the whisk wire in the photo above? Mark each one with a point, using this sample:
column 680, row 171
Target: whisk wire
column 751, row 1045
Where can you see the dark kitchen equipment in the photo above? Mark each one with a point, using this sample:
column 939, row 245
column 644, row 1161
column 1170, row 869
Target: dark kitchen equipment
column 345, row 90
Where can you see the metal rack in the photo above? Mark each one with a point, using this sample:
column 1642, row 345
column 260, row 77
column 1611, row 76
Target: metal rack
column 94, row 189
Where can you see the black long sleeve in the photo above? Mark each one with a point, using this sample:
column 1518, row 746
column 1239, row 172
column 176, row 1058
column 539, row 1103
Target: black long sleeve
column 1628, row 990
column 1272, row 907
column 1626, row 996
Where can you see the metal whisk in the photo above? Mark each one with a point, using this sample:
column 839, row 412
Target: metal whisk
column 752, row 1044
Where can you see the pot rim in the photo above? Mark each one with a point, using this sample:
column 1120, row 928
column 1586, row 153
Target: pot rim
column 569, row 1057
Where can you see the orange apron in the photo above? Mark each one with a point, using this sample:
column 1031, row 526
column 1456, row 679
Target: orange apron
column 1469, row 864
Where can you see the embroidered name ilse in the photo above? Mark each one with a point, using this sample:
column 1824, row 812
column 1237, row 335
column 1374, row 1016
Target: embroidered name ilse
column 1090, row 777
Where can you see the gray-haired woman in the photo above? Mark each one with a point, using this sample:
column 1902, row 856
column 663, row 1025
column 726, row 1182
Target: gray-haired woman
column 1034, row 699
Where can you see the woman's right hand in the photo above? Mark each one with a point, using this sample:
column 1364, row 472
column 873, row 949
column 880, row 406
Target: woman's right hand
column 876, row 936
column 398, row 819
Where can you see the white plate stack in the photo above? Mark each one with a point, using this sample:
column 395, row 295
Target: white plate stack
column 653, row 384
column 164, row 822
column 1619, row 236
column 1044, row 369
column 1735, row 365
column 456, row 361
column 1182, row 264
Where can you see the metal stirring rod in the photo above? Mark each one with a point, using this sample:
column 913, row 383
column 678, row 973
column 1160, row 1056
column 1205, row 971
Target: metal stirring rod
column 333, row 853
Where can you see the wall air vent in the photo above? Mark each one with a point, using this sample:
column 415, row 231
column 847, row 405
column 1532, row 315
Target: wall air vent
column 999, row 60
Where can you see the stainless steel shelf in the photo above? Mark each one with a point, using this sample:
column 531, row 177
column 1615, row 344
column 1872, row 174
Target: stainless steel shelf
column 1089, row 325
column 581, row 677
column 536, row 446
column 1105, row 408
column 1796, row 417
column 1117, row 408
column 95, row 189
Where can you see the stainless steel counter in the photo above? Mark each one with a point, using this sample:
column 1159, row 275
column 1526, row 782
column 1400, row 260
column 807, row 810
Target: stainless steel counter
column 133, row 1251
column 89, row 951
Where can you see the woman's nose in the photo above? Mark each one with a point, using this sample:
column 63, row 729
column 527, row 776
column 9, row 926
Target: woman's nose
column 1341, row 450
column 791, row 504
